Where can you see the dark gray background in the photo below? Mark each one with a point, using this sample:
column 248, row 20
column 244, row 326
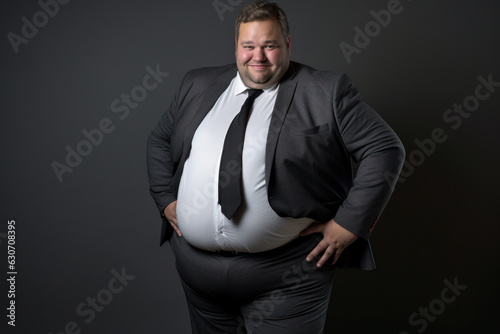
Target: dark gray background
column 442, row 222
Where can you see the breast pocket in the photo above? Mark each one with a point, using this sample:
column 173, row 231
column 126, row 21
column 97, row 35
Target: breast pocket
column 311, row 142
column 310, row 131
column 304, row 147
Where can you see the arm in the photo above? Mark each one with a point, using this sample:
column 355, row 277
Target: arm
column 159, row 162
column 372, row 143
column 160, row 165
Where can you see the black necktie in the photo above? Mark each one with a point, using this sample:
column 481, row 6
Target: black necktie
column 230, row 164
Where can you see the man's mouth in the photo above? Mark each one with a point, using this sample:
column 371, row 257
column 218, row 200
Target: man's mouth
column 259, row 66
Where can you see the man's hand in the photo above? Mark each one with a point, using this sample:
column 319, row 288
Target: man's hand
column 335, row 240
column 171, row 215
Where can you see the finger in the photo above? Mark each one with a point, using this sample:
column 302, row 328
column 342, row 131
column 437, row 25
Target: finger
column 312, row 229
column 171, row 215
column 338, row 251
column 326, row 255
column 316, row 251
column 176, row 228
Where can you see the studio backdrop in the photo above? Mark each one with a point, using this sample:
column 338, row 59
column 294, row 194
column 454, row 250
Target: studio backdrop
column 85, row 82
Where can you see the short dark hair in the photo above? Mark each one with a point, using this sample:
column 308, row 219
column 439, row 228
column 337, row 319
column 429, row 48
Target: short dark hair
column 262, row 10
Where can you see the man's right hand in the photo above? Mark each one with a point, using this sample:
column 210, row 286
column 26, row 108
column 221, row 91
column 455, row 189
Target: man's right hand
column 170, row 214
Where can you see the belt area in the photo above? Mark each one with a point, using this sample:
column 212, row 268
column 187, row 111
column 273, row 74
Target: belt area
column 229, row 253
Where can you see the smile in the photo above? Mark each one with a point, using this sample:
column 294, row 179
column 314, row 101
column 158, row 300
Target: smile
column 259, row 67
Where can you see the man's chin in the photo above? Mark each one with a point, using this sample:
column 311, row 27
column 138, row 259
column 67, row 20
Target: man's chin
column 260, row 80
column 257, row 81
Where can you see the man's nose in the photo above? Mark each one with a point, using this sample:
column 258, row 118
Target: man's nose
column 259, row 55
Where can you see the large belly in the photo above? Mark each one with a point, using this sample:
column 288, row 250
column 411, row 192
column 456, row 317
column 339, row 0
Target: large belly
column 254, row 231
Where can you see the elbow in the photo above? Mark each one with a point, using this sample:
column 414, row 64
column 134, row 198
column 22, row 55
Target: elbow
column 401, row 150
column 152, row 138
column 398, row 155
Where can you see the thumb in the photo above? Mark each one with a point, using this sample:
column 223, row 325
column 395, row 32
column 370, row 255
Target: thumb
column 313, row 228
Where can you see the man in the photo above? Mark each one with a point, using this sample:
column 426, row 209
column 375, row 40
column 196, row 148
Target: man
column 261, row 225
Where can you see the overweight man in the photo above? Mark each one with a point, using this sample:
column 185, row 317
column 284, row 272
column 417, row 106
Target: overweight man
column 251, row 168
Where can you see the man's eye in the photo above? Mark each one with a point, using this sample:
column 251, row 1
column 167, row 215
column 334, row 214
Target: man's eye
column 248, row 47
column 270, row 47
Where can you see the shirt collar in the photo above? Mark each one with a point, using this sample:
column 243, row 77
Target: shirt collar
column 240, row 87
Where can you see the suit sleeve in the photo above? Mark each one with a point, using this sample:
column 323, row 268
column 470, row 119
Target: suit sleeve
column 371, row 142
column 159, row 157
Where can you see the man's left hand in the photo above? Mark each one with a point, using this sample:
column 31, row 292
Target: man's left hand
column 335, row 240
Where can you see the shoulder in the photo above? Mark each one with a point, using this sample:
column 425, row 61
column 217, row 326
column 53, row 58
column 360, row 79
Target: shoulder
column 206, row 75
column 199, row 79
column 327, row 81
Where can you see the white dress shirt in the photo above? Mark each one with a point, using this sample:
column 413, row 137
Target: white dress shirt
column 255, row 227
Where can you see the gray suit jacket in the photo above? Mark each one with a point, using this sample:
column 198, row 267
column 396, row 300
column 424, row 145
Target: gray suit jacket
column 318, row 125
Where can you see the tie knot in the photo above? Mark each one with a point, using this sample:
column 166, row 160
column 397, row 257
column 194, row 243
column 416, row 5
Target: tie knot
column 254, row 93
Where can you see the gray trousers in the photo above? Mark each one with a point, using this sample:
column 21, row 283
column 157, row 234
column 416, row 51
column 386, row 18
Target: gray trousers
column 275, row 291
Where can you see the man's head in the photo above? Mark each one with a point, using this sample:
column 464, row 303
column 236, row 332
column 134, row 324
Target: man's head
column 262, row 44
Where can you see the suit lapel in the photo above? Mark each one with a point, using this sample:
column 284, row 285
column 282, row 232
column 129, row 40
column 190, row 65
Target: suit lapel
column 281, row 107
column 209, row 98
column 211, row 95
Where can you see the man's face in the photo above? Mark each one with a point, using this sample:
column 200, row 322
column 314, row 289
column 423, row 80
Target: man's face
column 262, row 55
